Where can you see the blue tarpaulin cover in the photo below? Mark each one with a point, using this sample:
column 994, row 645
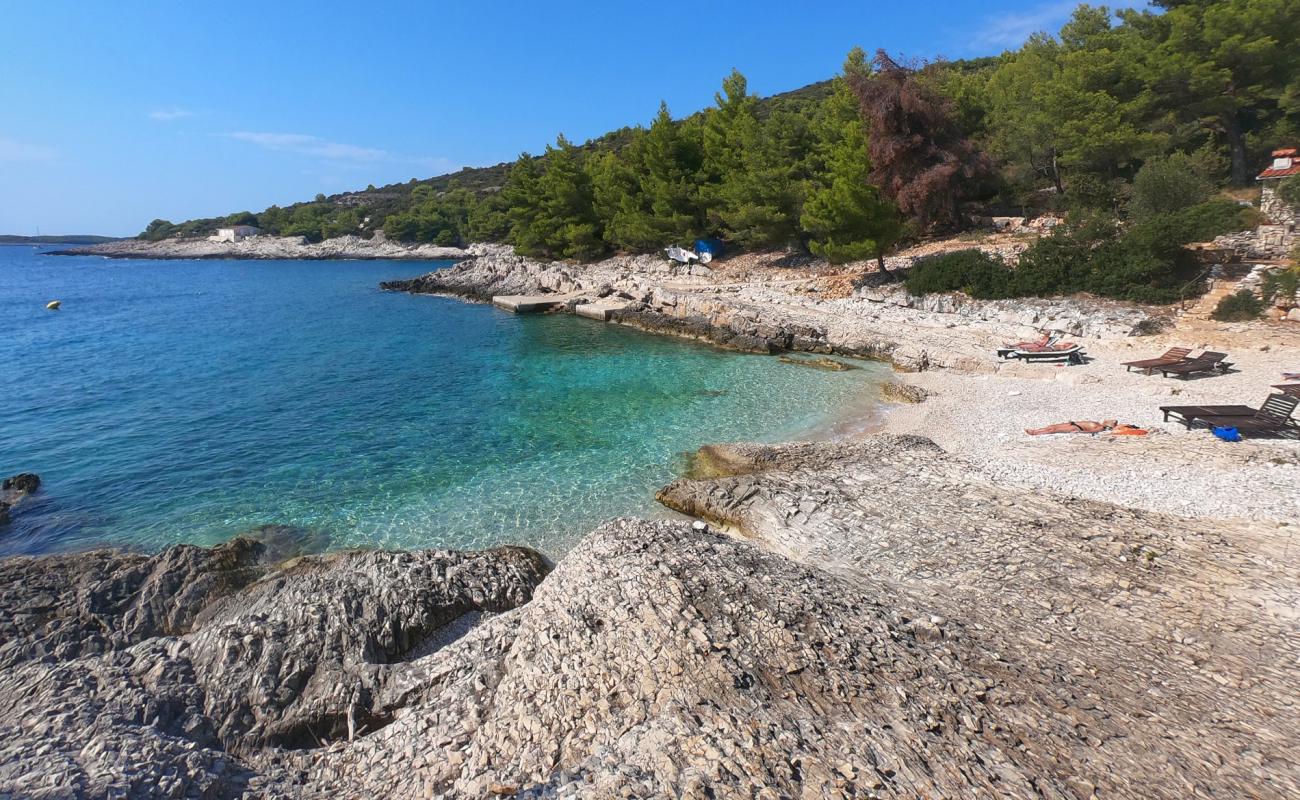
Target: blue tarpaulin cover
column 711, row 246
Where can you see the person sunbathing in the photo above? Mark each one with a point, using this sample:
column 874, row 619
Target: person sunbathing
column 1088, row 426
column 1043, row 342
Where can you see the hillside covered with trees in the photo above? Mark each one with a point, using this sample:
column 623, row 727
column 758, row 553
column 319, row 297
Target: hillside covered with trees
column 1129, row 122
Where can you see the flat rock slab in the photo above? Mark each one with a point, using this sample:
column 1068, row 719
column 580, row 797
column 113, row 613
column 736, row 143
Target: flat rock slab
column 533, row 304
column 598, row 311
column 1142, row 654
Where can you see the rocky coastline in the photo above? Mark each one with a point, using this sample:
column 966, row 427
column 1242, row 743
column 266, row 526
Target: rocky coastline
column 267, row 247
column 846, row 628
column 758, row 304
column 949, row 608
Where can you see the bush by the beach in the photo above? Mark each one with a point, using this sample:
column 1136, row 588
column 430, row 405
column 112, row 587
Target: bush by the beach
column 1240, row 307
column 974, row 272
column 1143, row 262
column 1280, row 286
column 1167, row 184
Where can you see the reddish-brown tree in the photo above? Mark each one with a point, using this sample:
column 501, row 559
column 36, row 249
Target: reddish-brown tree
column 920, row 158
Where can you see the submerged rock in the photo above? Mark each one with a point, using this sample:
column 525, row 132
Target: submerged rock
column 828, row 364
column 22, row 483
column 15, row 489
column 285, row 542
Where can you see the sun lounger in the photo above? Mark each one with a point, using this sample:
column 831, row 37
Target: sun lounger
column 1071, row 352
column 1009, row 349
column 1188, row 414
column 1205, row 362
column 1273, row 416
column 1173, row 355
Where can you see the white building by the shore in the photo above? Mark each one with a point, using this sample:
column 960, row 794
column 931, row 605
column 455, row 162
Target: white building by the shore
column 235, row 233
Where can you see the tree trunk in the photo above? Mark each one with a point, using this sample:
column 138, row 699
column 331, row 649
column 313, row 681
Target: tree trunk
column 880, row 262
column 1240, row 175
column 1056, row 176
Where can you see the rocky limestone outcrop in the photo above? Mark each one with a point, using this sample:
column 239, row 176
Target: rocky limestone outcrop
column 774, row 310
column 1080, row 317
column 166, row 676
column 870, row 619
column 267, row 247
column 1121, row 653
column 67, row 606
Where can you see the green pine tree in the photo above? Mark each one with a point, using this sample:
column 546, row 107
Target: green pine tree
column 844, row 216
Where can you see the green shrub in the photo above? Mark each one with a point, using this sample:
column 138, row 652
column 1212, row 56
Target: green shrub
column 1124, row 270
column 974, row 272
column 1289, row 190
column 1240, row 307
column 1280, row 285
column 1146, row 262
column 1089, row 193
column 1169, row 184
column 1058, row 264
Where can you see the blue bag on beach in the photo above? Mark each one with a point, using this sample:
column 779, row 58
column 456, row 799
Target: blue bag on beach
column 1227, row 434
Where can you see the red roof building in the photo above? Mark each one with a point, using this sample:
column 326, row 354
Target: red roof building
column 1285, row 164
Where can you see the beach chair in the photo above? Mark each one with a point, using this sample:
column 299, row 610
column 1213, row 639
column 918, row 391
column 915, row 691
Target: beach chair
column 1009, row 349
column 1174, row 355
column 1069, row 352
column 1205, row 362
column 1189, row 414
column 1273, row 416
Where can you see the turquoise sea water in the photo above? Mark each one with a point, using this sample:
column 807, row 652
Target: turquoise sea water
column 188, row 401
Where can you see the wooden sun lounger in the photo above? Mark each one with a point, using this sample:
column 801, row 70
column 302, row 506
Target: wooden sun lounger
column 1273, row 416
column 1188, row 414
column 1205, row 362
column 1173, row 355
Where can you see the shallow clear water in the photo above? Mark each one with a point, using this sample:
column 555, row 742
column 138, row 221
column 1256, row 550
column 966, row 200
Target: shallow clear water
column 188, row 401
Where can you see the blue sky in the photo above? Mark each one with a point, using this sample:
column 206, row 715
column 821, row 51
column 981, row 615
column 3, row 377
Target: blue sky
column 112, row 114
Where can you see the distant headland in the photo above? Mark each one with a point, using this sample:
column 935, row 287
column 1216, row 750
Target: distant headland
column 79, row 238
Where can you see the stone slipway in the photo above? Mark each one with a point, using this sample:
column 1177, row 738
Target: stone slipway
column 881, row 621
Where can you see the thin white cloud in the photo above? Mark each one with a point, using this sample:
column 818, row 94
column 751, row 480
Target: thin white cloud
column 170, row 114
column 12, row 150
column 310, row 146
column 340, row 156
column 1010, row 29
column 438, row 165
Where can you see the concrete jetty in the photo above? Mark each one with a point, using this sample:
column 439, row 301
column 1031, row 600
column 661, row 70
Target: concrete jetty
column 535, row 303
column 600, row 309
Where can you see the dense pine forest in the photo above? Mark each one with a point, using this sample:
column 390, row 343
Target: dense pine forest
column 1135, row 125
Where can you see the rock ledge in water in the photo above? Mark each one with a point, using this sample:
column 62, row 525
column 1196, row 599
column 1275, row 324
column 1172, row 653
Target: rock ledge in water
column 15, row 489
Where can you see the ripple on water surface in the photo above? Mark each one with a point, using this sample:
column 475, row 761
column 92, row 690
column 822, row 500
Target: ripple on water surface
column 188, row 401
